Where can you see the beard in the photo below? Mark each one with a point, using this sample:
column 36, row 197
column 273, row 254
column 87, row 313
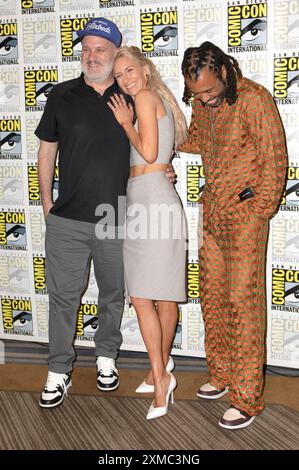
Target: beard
column 219, row 100
column 221, row 97
column 99, row 76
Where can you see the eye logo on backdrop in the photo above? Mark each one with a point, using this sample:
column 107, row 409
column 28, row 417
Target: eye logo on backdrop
column 178, row 337
column 130, row 328
column 290, row 118
column 38, row 84
column 247, row 26
column 71, row 70
column 286, row 79
column 8, row 42
column 159, row 32
column 11, row 183
column 14, row 272
column 8, row 7
column 290, row 198
column 10, row 138
column 87, row 321
column 254, row 66
column 70, row 42
column 285, row 289
column 9, row 89
column 39, row 40
column 285, row 238
column 17, row 316
column 126, row 21
column 286, row 24
column 37, row 6
column 284, row 337
column 202, row 22
column 13, row 230
column 169, row 70
column 55, row 188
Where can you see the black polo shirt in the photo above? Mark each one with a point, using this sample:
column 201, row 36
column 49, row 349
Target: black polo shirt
column 93, row 149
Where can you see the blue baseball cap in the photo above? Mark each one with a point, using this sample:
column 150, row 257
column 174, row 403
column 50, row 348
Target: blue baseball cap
column 103, row 28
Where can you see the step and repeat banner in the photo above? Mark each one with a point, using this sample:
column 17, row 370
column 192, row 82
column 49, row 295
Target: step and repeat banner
column 39, row 47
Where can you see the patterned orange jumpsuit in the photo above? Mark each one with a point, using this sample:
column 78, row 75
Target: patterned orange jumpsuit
column 244, row 159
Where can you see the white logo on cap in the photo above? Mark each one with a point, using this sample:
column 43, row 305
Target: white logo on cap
column 99, row 27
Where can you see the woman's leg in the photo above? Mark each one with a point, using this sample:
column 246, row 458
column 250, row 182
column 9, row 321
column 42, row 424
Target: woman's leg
column 151, row 330
column 168, row 314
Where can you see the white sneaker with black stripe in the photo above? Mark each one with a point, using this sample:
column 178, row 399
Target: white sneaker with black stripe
column 107, row 378
column 55, row 390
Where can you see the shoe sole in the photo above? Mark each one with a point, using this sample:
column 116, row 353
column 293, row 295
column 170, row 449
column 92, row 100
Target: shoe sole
column 110, row 389
column 215, row 397
column 42, row 405
column 239, row 426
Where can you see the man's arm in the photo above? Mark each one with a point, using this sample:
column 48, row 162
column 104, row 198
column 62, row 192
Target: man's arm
column 266, row 129
column 47, row 154
column 192, row 143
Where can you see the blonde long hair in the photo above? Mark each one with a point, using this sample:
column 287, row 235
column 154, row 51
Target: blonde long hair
column 156, row 83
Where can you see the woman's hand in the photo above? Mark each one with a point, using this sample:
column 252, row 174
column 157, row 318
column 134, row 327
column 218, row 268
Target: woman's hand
column 123, row 113
column 170, row 174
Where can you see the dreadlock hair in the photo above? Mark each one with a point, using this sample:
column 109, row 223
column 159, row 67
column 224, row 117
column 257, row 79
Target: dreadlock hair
column 155, row 82
column 208, row 55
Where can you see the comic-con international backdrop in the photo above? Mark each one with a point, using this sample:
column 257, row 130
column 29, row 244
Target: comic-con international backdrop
column 39, row 48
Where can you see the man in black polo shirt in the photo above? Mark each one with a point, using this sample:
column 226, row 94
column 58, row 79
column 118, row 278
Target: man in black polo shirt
column 93, row 170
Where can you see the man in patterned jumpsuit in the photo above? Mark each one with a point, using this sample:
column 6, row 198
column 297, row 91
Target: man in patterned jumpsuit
column 236, row 128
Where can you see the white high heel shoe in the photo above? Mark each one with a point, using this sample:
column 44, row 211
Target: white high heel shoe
column 162, row 410
column 147, row 388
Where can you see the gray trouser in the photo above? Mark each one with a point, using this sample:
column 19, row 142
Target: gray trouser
column 70, row 245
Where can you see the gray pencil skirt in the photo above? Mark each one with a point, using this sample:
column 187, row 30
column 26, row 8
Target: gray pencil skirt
column 156, row 239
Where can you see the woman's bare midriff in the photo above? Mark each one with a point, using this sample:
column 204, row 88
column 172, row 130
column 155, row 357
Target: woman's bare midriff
column 138, row 170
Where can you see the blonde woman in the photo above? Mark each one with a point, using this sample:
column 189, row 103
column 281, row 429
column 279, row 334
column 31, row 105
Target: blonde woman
column 155, row 257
